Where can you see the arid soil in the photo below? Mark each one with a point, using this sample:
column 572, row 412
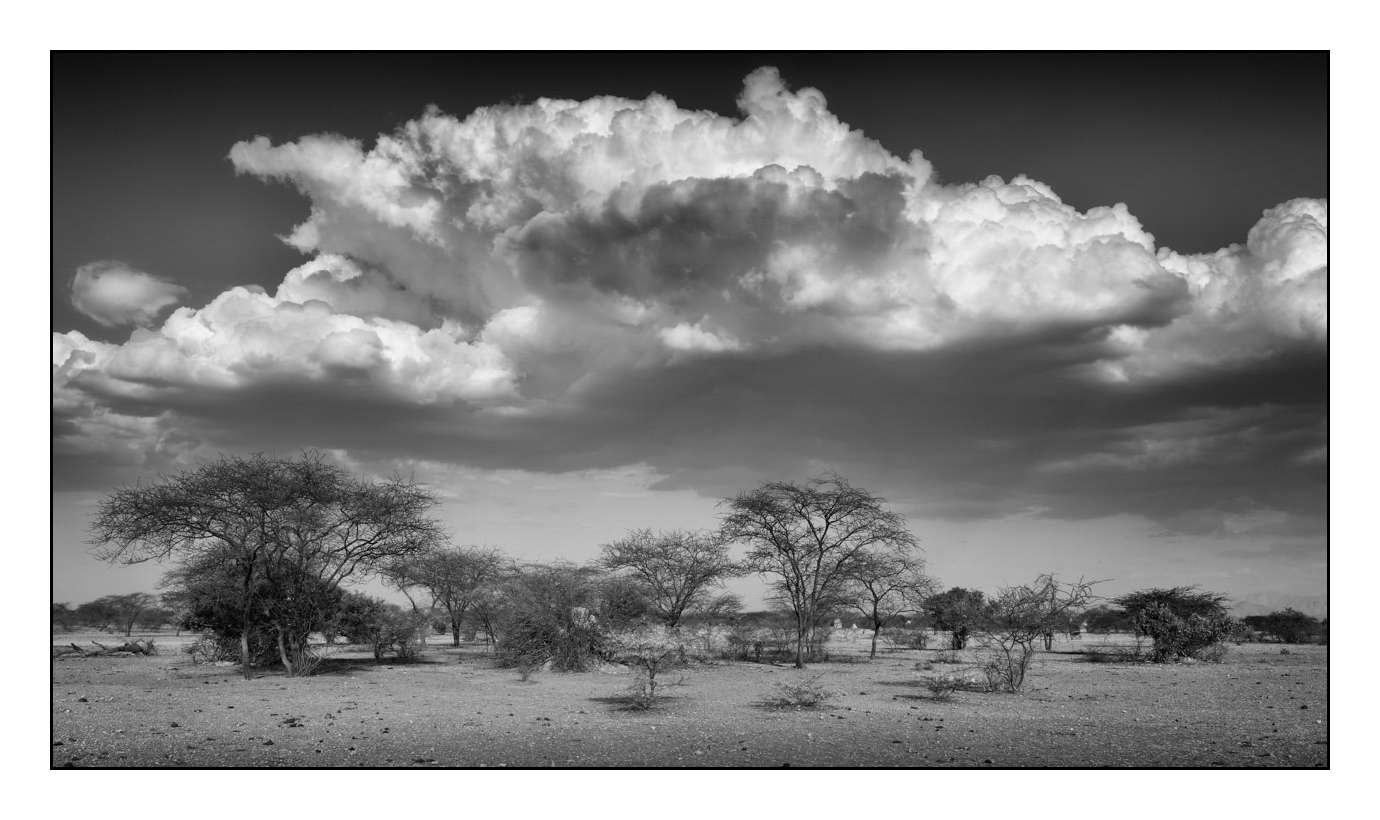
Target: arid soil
column 455, row 708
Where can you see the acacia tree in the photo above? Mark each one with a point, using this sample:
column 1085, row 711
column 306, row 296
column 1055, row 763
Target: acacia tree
column 807, row 537
column 120, row 610
column 882, row 585
column 677, row 569
column 1181, row 622
column 452, row 577
column 1287, row 625
column 279, row 525
column 958, row 610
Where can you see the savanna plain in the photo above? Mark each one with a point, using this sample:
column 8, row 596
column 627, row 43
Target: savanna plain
column 1263, row 705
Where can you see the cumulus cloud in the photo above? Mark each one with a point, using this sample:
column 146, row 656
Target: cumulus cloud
column 588, row 284
column 115, row 294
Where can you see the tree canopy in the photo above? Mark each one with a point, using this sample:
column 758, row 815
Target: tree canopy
column 806, row 538
column 677, row 569
column 277, row 526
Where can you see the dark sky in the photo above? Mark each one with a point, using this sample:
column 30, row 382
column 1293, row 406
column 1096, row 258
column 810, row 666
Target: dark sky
column 1197, row 145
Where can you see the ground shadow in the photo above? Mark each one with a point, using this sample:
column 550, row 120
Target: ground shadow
column 627, row 703
column 349, row 666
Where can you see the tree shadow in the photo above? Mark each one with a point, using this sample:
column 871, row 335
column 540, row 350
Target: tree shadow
column 630, row 704
column 905, row 683
column 349, row 666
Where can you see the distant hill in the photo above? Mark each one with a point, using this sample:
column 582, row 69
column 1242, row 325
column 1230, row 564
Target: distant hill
column 1264, row 603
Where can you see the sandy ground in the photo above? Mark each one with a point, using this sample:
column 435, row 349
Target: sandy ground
column 1257, row 708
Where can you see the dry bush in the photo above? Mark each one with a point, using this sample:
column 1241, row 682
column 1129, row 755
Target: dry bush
column 802, row 694
column 210, row 649
column 942, row 687
column 1017, row 620
column 648, row 650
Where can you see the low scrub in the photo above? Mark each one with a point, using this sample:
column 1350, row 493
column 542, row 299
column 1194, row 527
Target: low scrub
column 210, row 649
column 943, row 687
column 802, row 694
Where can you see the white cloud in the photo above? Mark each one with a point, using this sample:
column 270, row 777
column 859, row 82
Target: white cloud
column 115, row 294
column 543, row 263
column 244, row 337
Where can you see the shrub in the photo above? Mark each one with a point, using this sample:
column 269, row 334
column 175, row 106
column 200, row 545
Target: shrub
column 1213, row 653
column 1019, row 618
column 942, row 687
column 548, row 618
column 384, row 627
column 756, row 644
column 1177, row 636
column 906, row 638
column 527, row 667
column 803, row 694
column 648, row 649
column 946, row 658
column 210, row 649
column 1180, row 621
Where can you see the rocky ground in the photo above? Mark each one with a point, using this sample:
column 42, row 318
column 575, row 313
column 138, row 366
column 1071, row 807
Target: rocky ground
column 1259, row 708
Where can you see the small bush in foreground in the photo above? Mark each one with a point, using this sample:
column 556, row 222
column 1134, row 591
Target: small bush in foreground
column 210, row 649
column 803, row 694
column 647, row 650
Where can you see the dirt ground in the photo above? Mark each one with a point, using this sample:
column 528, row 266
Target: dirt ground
column 1258, row 708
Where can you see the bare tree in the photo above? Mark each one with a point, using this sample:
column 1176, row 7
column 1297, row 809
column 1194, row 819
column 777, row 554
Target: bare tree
column 807, row 537
column 452, row 577
column 678, row 569
column 277, row 524
column 885, row 584
column 1020, row 616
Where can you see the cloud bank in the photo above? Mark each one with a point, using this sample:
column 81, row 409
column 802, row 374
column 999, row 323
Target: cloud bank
column 584, row 284
column 115, row 294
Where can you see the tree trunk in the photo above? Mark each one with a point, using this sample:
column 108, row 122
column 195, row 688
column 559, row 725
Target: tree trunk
column 245, row 621
column 454, row 633
column 244, row 648
column 800, row 622
column 283, row 653
column 876, row 630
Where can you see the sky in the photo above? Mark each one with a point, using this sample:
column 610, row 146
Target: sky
column 1065, row 312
